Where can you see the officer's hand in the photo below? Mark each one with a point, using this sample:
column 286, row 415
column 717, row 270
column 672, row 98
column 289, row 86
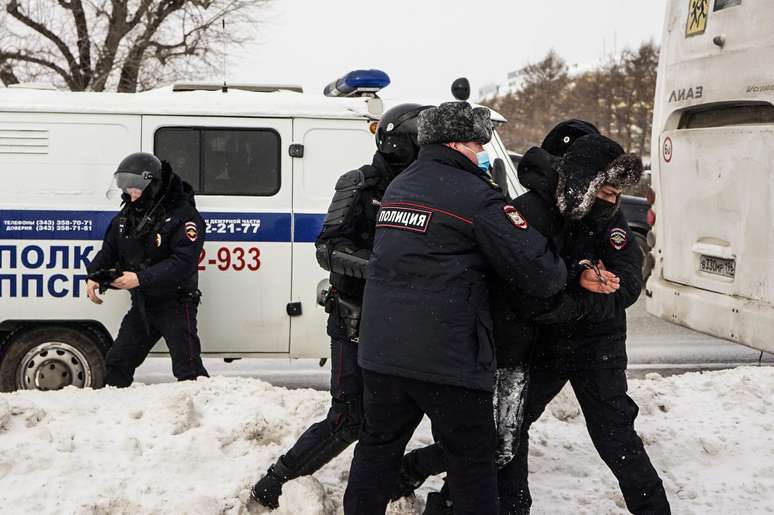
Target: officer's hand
column 127, row 281
column 600, row 280
column 92, row 287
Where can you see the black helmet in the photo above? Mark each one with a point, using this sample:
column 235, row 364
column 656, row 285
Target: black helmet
column 138, row 171
column 396, row 135
column 559, row 139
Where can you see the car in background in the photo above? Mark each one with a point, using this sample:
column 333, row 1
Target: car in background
column 637, row 205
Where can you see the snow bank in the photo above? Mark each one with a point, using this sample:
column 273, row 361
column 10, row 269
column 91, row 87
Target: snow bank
column 197, row 447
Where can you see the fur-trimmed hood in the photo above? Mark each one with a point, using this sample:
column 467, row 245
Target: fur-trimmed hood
column 591, row 162
column 454, row 122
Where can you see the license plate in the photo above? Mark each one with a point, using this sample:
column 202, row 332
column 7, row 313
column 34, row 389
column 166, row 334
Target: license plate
column 718, row 266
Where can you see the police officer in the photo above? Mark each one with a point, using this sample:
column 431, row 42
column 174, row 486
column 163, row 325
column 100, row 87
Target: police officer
column 426, row 338
column 592, row 356
column 343, row 248
column 151, row 248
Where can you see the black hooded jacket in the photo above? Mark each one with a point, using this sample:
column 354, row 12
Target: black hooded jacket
column 593, row 343
column 164, row 251
column 443, row 232
column 513, row 310
column 520, row 319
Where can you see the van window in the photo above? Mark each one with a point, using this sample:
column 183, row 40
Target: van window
column 223, row 161
column 727, row 115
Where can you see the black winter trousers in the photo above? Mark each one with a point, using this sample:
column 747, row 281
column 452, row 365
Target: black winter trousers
column 326, row 439
column 463, row 423
column 173, row 319
column 609, row 414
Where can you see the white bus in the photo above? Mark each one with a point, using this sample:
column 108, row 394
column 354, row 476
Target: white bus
column 263, row 161
column 713, row 170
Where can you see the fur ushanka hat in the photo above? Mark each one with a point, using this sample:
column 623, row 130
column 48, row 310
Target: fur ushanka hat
column 454, row 122
column 591, row 162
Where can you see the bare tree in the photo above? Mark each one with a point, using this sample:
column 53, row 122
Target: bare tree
column 127, row 45
column 617, row 96
column 538, row 100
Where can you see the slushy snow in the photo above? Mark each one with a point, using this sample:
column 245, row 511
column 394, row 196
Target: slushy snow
column 196, row 448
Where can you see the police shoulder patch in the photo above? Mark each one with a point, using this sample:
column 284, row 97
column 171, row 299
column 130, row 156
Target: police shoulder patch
column 515, row 217
column 618, row 238
column 191, row 231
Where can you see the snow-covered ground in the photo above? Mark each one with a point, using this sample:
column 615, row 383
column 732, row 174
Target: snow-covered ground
column 196, row 447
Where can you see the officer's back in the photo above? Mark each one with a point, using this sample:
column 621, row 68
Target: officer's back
column 442, row 228
column 421, row 280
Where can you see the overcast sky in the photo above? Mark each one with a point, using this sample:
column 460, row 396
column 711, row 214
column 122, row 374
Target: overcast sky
column 425, row 44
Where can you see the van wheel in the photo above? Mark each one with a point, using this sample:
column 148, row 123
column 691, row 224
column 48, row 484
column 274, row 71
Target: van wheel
column 647, row 259
column 50, row 358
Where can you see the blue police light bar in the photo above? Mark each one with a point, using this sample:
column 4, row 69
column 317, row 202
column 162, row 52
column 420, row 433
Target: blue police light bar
column 358, row 83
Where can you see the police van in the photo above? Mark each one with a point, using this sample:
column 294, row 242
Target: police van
column 263, row 161
column 713, row 170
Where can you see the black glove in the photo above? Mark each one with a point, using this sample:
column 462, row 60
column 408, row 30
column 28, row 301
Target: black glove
column 351, row 265
column 104, row 277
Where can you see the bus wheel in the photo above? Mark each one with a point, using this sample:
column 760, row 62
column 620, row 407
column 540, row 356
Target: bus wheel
column 50, row 358
column 647, row 259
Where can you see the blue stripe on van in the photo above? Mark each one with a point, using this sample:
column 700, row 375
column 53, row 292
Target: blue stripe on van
column 23, row 224
column 308, row 226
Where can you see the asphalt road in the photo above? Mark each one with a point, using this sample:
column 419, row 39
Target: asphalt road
column 653, row 345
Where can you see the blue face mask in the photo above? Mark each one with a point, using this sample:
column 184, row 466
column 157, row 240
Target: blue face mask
column 483, row 160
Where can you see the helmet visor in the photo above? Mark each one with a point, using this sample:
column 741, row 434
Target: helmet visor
column 126, row 182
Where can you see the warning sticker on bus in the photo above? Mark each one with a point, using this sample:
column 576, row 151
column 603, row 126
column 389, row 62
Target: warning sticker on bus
column 697, row 17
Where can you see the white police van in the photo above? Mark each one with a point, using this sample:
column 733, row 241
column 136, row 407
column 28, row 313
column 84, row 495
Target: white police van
column 263, row 161
column 713, row 170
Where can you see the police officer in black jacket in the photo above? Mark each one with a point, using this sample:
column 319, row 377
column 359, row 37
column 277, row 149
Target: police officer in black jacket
column 343, row 248
column 151, row 248
column 591, row 356
column 443, row 231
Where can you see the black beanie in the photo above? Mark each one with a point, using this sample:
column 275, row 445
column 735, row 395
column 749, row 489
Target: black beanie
column 559, row 139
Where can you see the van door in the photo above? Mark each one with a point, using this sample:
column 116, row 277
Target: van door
column 241, row 171
column 331, row 148
column 717, row 177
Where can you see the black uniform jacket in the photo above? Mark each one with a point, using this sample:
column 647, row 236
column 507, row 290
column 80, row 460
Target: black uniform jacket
column 592, row 344
column 166, row 256
column 356, row 234
column 512, row 309
column 442, row 233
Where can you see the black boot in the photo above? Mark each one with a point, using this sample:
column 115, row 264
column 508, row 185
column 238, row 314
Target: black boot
column 411, row 477
column 268, row 489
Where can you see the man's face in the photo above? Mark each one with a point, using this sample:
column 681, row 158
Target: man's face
column 469, row 149
column 134, row 193
column 609, row 193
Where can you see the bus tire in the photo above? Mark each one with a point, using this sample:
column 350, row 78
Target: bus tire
column 50, row 358
column 647, row 259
